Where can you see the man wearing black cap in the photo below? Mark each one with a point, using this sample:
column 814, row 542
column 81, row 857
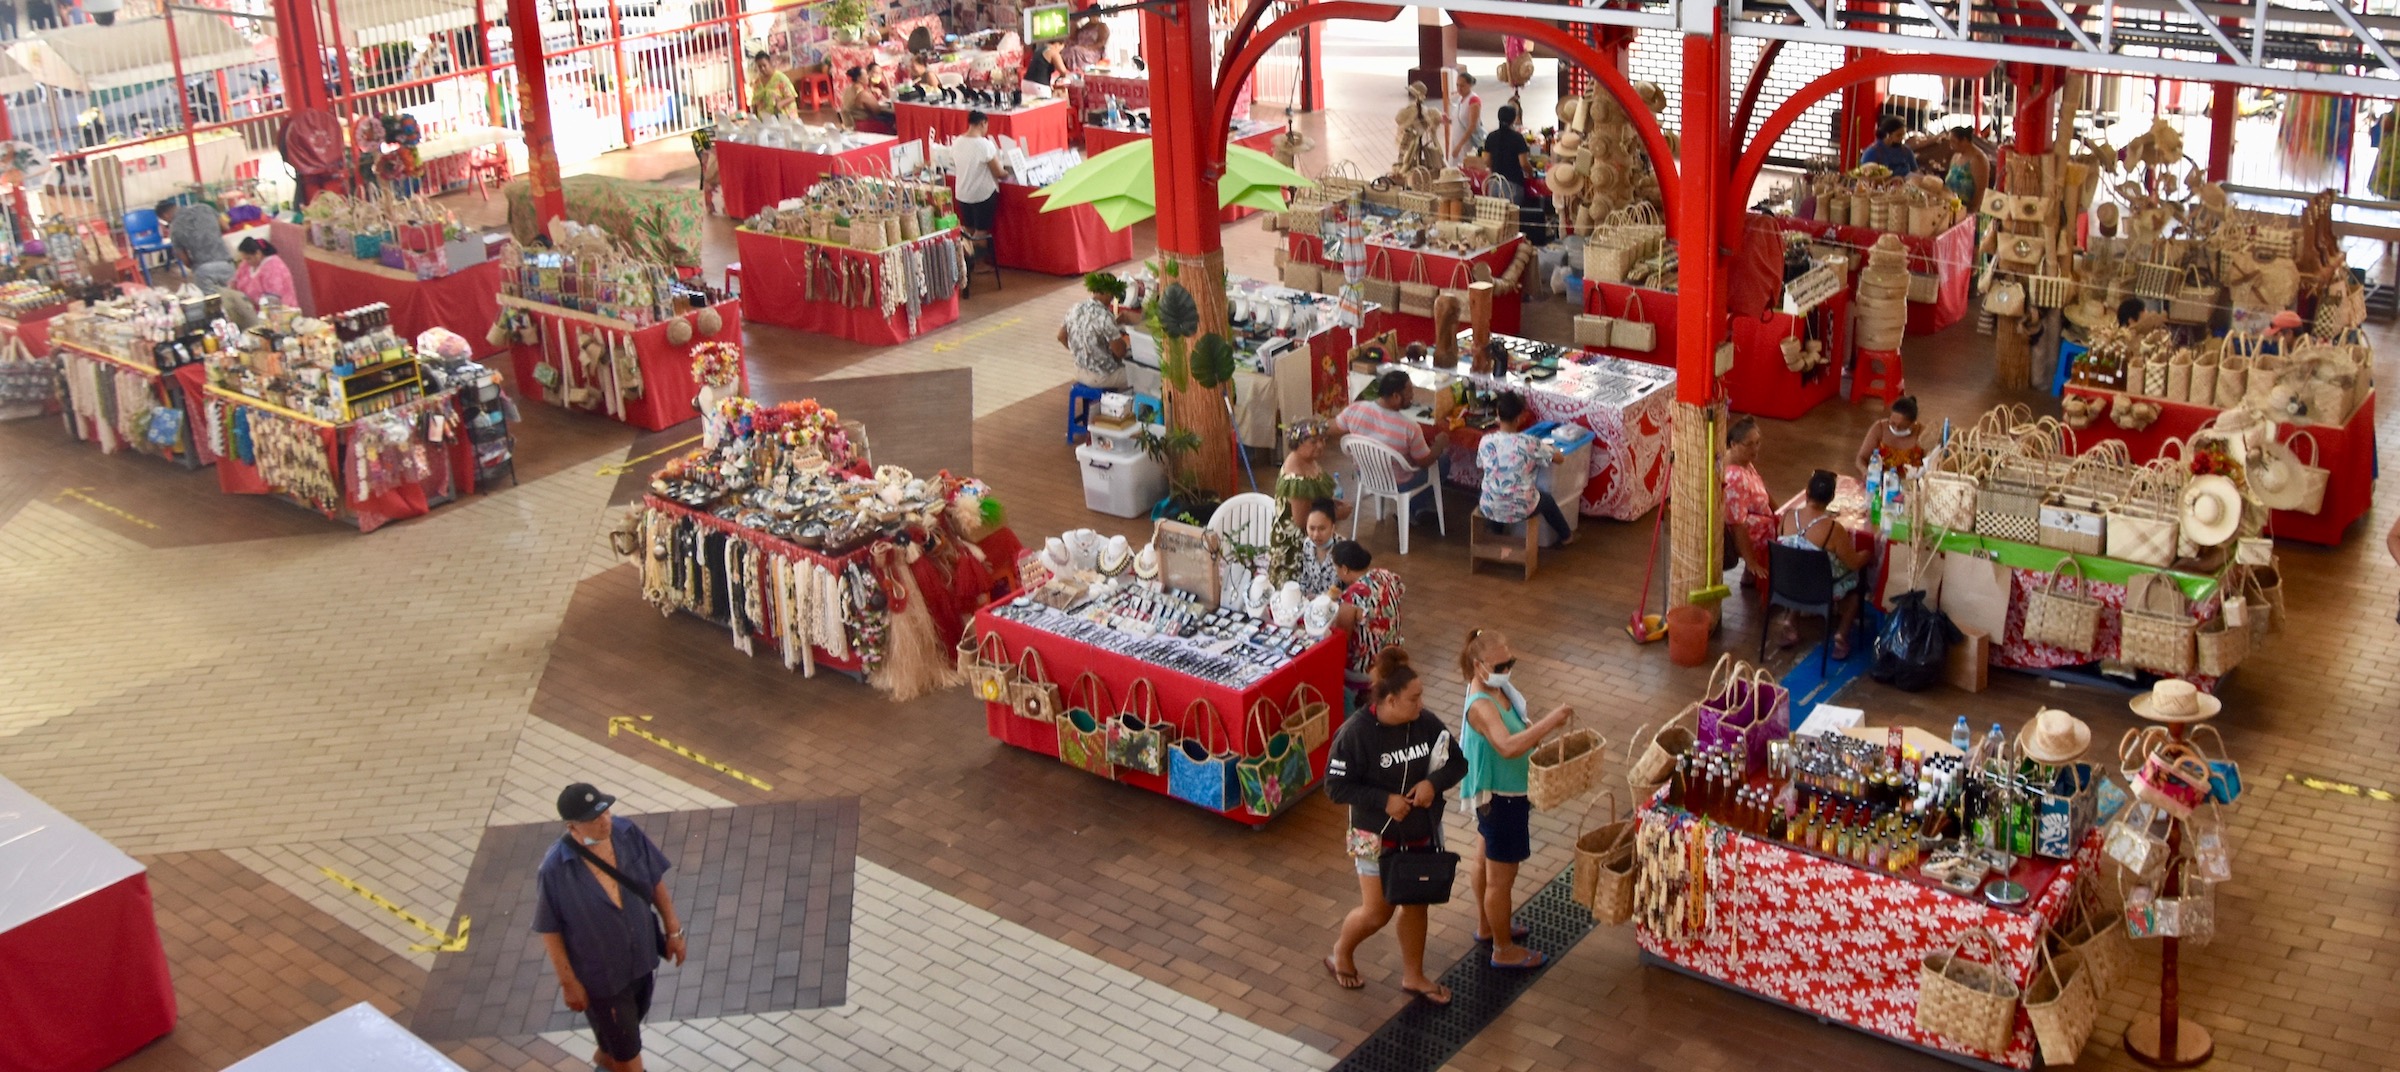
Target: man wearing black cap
column 598, row 887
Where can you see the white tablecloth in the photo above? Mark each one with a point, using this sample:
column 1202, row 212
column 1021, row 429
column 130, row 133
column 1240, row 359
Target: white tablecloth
column 356, row 1039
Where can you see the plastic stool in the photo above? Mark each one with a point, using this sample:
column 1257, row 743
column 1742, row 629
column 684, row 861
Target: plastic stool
column 1079, row 408
column 1878, row 374
column 733, row 280
column 816, row 91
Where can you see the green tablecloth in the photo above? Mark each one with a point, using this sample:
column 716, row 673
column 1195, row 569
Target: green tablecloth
column 658, row 222
column 2026, row 556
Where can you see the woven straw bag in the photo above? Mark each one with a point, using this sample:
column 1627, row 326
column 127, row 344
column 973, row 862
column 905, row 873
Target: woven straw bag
column 1651, row 769
column 2097, row 938
column 2063, row 1007
column 1592, row 331
column 2060, row 617
column 2143, row 525
column 2010, row 505
column 986, row 668
column 1311, row 718
column 1605, row 865
column 1381, row 289
column 1972, row 1003
column 1565, row 767
column 1032, row 694
column 2221, row 644
column 1416, row 294
column 2158, row 631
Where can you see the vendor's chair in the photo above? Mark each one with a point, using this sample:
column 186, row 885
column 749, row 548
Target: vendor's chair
column 143, row 236
column 1878, row 374
column 1504, row 547
column 1799, row 580
column 1247, row 518
column 1380, row 471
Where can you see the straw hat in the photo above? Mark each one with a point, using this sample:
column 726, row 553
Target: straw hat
column 2278, row 478
column 2054, row 737
column 1565, row 181
column 2092, row 313
column 2175, row 700
column 1290, row 145
column 2212, row 510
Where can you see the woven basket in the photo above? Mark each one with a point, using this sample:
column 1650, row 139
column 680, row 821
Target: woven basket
column 2010, row 505
column 1565, row 767
column 1605, row 867
column 1646, row 772
column 1031, row 694
column 2219, row 646
column 2060, row 617
column 1971, row 1003
column 2159, row 633
column 1311, row 718
column 2062, row 1007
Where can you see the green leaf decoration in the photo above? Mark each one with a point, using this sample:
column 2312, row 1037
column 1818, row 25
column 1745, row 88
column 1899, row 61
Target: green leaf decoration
column 1212, row 360
column 1174, row 364
column 1178, row 314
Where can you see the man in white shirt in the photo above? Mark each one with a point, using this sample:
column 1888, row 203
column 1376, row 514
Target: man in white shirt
column 975, row 163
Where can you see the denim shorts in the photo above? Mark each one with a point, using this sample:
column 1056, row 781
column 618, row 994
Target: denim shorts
column 1506, row 823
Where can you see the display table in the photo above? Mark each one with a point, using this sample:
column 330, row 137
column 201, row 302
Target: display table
column 465, row 301
column 1760, row 382
column 100, row 383
column 1097, row 140
column 662, row 396
column 799, row 283
column 32, row 329
column 757, row 176
column 451, row 463
column 1845, row 943
column 1275, row 382
column 356, row 1039
column 86, row 979
column 1039, row 127
column 2347, row 451
column 1441, row 270
column 1626, row 405
column 1071, row 241
column 1950, row 254
column 1318, row 667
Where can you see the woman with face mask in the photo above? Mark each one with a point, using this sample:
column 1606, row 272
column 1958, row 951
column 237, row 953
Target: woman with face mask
column 1498, row 741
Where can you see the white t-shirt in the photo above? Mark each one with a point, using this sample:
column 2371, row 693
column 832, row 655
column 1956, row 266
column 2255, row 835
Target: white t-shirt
column 970, row 159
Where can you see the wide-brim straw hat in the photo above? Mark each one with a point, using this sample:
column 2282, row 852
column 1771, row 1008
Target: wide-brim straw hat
column 1565, row 180
column 2176, row 700
column 2278, row 477
column 2054, row 737
column 2092, row 313
column 2212, row 510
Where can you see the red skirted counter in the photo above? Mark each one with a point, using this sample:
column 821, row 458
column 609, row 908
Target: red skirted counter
column 1319, row 668
column 1071, row 241
column 465, row 301
column 1843, row 942
column 32, row 329
column 86, row 983
column 757, row 176
column 1097, row 140
column 1040, row 128
column 776, row 274
column 452, row 461
column 92, row 375
column 2347, row 451
column 1441, row 270
column 1951, row 254
column 1760, row 382
column 661, row 398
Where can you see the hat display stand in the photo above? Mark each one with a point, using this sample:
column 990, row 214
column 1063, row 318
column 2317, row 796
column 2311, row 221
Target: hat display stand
column 2167, row 1038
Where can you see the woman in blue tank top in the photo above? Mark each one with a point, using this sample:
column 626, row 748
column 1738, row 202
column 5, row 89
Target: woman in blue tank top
column 1498, row 741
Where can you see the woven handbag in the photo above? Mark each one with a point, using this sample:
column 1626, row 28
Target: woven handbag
column 1279, row 771
column 2191, row 302
column 1381, row 289
column 2142, row 526
column 2157, row 282
column 1032, row 694
column 1200, row 772
column 1138, row 739
column 2097, row 938
column 2220, row 644
column 1605, row 865
column 2050, row 291
column 1632, row 331
column 1310, row 720
column 1652, row 768
column 1593, row 332
column 2060, row 617
column 2061, row 1005
column 1564, row 767
column 1972, row 1003
column 2010, row 505
column 2314, row 478
column 2158, row 632
column 1302, row 276
column 1416, row 294
column 992, row 677
column 1082, row 731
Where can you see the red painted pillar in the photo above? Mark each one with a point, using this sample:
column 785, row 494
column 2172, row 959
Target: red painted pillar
column 300, row 51
column 1181, row 99
column 2224, row 112
column 533, row 111
column 1700, row 206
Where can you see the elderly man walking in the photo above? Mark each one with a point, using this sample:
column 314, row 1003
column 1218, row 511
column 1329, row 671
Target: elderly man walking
column 599, row 887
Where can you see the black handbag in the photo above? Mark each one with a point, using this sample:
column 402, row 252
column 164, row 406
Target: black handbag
column 658, row 927
column 1418, row 875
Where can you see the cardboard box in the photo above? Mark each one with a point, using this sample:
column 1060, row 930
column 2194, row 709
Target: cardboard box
column 1970, row 662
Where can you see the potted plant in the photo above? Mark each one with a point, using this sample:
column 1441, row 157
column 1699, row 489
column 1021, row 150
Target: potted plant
column 1187, row 500
column 847, row 17
column 1191, row 363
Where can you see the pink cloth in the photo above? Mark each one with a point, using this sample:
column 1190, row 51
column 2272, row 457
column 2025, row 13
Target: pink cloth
column 269, row 276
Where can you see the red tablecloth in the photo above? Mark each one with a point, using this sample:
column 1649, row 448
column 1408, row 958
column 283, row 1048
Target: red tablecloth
column 465, row 301
column 32, row 329
column 86, row 983
column 1629, row 448
column 1845, row 943
column 168, row 389
column 1950, row 253
column 1443, row 270
column 667, row 384
column 2347, row 451
column 1070, row 241
column 1097, row 140
column 1319, row 667
column 755, row 176
column 456, row 478
column 1040, row 128
column 772, row 269
column 1760, row 382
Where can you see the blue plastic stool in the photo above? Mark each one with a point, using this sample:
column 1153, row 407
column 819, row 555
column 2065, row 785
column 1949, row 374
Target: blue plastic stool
column 2067, row 353
column 1079, row 408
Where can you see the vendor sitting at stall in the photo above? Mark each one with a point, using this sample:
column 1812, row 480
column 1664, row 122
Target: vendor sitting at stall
column 1888, row 149
column 1308, row 557
column 1896, row 438
column 262, row 274
column 1095, row 333
column 1385, row 420
column 1303, row 479
column 198, row 235
column 865, row 106
column 771, row 92
column 1749, row 509
column 1810, row 525
column 1508, row 458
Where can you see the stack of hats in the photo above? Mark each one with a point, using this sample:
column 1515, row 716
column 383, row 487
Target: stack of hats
column 1883, row 295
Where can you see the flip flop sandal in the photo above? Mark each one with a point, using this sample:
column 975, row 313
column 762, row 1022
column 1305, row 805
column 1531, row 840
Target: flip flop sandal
column 1517, row 932
column 1428, row 995
column 1533, row 959
column 1347, row 981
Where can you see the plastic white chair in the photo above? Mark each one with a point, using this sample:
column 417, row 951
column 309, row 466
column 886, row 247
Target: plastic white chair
column 1379, row 476
column 1247, row 518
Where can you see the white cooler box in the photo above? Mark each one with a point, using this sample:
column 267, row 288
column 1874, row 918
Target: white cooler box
column 1120, row 483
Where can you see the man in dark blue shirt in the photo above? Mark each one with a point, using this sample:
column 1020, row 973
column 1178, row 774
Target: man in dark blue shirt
column 602, row 939
column 1888, row 151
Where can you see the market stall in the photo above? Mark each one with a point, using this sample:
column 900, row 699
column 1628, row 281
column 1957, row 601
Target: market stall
column 1288, row 352
column 1070, row 242
column 336, row 415
column 595, row 328
column 1094, row 666
column 1854, row 213
column 1641, row 324
column 1624, row 405
column 1400, row 269
column 405, row 253
column 87, row 984
column 780, row 530
column 873, row 261
column 761, row 175
column 1036, row 126
column 119, row 359
column 658, row 221
column 26, row 308
column 1948, row 257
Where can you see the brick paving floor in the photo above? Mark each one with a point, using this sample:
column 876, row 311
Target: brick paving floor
column 1008, row 913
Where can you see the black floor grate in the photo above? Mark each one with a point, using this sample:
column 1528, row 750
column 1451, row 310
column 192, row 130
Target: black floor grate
column 1423, row 1036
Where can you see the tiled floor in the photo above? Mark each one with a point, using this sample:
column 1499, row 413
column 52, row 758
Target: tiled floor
column 379, row 705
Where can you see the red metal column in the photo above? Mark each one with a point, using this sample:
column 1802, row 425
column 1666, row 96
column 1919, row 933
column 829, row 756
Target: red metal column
column 183, row 96
column 533, row 111
column 616, row 50
column 301, row 54
column 1700, row 311
column 2224, row 112
column 1180, row 102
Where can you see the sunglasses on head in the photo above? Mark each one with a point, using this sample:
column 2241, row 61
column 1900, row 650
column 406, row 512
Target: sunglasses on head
column 1504, row 666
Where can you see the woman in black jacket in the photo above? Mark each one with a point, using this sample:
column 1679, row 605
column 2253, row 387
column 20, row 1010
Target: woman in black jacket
column 1391, row 770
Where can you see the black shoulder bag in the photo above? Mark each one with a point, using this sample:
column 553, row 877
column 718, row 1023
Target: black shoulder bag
column 1418, row 876
column 658, row 927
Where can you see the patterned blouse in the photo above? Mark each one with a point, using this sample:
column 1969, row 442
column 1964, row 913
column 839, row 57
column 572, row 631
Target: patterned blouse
column 1376, row 594
column 1092, row 329
column 1508, row 461
column 1747, row 505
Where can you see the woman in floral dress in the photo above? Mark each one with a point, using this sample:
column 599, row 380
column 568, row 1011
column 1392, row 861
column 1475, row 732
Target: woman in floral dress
column 1370, row 613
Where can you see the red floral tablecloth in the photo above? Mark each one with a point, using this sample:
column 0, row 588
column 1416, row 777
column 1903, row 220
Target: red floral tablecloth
column 667, row 387
column 2347, row 451
column 1951, row 254
column 1040, row 128
column 773, row 268
column 1760, row 382
column 1629, row 439
column 756, row 176
column 1846, row 943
